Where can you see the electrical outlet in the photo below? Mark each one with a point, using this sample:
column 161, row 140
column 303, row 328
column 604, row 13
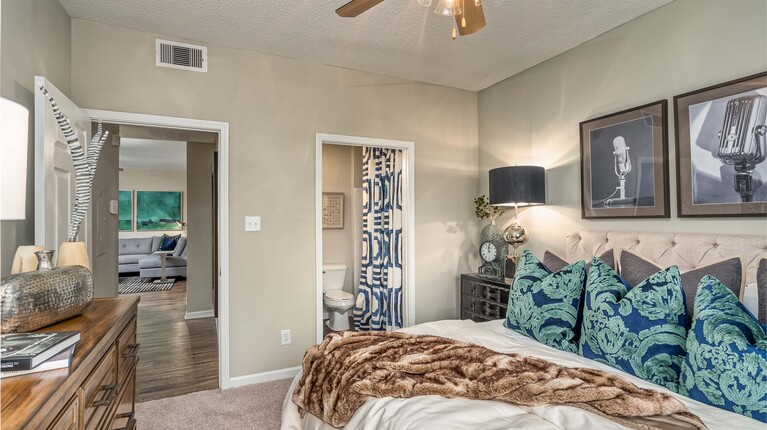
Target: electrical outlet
column 252, row 223
column 285, row 337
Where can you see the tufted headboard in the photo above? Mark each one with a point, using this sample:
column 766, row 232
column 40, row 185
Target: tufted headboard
column 686, row 250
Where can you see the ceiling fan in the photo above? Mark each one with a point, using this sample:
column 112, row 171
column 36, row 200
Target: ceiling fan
column 469, row 17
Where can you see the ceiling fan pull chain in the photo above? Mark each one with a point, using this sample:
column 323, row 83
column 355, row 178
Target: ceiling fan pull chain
column 463, row 17
column 454, row 32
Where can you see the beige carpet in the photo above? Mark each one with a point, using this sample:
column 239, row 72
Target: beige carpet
column 257, row 406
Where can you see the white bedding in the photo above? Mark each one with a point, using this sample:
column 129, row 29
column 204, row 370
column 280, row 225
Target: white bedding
column 433, row 412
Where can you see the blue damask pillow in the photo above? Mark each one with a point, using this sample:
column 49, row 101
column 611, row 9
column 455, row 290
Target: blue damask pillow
column 726, row 364
column 641, row 330
column 545, row 305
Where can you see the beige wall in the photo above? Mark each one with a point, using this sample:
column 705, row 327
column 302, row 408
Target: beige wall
column 533, row 117
column 34, row 40
column 199, row 167
column 337, row 171
column 274, row 107
column 153, row 180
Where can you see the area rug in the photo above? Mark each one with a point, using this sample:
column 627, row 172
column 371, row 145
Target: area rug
column 137, row 284
column 257, row 406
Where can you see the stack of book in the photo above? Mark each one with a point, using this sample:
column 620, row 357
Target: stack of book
column 24, row 353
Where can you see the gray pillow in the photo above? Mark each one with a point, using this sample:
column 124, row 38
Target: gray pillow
column 180, row 246
column 554, row 263
column 635, row 269
column 761, row 289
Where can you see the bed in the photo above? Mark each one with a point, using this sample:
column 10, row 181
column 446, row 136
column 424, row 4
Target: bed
column 688, row 251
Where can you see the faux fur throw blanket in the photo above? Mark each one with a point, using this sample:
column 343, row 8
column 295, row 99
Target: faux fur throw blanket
column 346, row 368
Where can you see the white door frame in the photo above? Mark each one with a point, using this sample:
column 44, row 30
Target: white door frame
column 408, row 153
column 222, row 129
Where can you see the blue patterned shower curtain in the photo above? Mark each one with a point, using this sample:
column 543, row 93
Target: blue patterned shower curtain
column 379, row 301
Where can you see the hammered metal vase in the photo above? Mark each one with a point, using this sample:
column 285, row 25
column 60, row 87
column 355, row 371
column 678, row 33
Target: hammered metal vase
column 31, row 300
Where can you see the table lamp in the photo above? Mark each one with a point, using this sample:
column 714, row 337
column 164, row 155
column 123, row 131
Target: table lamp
column 516, row 186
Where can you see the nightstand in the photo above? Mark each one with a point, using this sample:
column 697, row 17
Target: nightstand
column 482, row 298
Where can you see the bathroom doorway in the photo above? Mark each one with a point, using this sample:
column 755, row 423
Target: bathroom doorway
column 341, row 164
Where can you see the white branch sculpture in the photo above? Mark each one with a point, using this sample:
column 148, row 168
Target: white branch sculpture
column 84, row 163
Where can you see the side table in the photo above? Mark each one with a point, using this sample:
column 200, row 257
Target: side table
column 163, row 256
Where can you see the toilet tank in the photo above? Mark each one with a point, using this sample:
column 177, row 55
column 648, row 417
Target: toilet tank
column 333, row 277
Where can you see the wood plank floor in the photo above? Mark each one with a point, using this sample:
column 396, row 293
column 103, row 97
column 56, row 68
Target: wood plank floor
column 177, row 356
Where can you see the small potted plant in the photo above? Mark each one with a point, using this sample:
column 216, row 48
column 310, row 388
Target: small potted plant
column 483, row 209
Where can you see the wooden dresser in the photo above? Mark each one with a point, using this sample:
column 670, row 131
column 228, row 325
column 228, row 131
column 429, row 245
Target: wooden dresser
column 97, row 391
column 483, row 299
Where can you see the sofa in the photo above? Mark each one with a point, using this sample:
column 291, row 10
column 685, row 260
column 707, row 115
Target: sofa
column 137, row 255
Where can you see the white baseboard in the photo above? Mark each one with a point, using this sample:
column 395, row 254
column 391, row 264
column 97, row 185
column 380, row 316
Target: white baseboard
column 198, row 314
column 256, row 378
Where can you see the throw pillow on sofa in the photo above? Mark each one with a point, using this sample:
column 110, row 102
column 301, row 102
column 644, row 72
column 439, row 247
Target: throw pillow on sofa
column 168, row 243
column 545, row 305
column 726, row 364
column 641, row 330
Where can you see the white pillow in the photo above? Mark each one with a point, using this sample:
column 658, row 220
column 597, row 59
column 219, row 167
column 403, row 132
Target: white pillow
column 751, row 299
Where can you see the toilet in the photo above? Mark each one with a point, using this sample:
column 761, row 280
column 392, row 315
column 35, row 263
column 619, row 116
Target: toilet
column 337, row 301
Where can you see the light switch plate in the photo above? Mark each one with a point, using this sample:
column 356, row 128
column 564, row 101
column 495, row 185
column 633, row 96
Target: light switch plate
column 252, row 223
column 114, row 207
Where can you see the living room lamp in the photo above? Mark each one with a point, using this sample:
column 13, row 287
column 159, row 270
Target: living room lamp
column 516, row 186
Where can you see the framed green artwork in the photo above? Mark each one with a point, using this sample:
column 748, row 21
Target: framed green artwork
column 125, row 210
column 158, row 210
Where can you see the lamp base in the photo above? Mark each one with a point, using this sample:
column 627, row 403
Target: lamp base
column 511, row 267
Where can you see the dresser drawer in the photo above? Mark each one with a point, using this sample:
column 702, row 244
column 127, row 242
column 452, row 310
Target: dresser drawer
column 484, row 308
column 124, row 416
column 127, row 348
column 100, row 390
column 486, row 291
column 483, row 299
column 67, row 419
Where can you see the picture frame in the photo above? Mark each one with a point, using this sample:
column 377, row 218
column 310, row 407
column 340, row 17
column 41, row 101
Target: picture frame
column 125, row 210
column 332, row 210
column 722, row 175
column 159, row 211
column 624, row 164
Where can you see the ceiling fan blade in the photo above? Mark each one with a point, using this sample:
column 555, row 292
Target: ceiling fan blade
column 356, row 7
column 475, row 18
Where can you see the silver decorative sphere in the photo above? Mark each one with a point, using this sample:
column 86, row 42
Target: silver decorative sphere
column 515, row 235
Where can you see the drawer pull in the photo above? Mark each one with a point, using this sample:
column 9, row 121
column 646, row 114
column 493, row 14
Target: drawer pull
column 494, row 295
column 491, row 311
column 130, row 423
column 131, row 350
column 111, row 390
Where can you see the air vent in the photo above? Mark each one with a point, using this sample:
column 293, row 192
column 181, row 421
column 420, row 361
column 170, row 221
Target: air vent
column 179, row 55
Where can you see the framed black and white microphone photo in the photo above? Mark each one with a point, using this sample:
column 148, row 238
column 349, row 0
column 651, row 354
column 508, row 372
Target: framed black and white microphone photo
column 624, row 164
column 721, row 146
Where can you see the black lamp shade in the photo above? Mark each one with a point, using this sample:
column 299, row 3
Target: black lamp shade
column 520, row 185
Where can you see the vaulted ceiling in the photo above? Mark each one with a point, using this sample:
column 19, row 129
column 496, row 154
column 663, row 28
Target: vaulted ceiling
column 397, row 38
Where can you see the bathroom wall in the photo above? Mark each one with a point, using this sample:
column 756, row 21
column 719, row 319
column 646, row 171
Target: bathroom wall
column 338, row 176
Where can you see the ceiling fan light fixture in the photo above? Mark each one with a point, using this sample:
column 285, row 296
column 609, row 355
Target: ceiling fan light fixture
column 424, row 3
column 448, row 8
